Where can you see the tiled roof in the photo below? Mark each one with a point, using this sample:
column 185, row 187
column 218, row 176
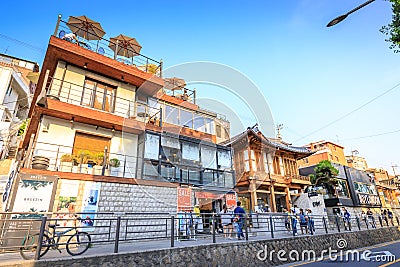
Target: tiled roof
column 255, row 131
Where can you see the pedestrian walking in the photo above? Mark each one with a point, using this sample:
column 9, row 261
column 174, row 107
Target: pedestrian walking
column 346, row 219
column 384, row 217
column 226, row 221
column 303, row 222
column 239, row 214
column 371, row 219
column 390, row 216
column 311, row 224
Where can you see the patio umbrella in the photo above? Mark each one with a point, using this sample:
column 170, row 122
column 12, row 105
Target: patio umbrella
column 86, row 28
column 174, row 83
column 125, row 46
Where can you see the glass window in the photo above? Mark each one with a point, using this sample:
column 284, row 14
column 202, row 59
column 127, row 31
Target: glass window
column 190, row 152
column 218, row 130
column 224, row 159
column 198, row 123
column 341, row 188
column 171, row 115
column 154, row 108
column 186, row 118
column 170, row 142
column 151, row 146
column 209, row 157
column 209, row 125
column 171, row 148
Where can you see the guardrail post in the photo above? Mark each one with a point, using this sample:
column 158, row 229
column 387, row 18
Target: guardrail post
column 246, row 232
column 116, row 243
column 397, row 219
column 380, row 220
column 272, row 226
column 358, row 223
column 40, row 240
column 337, row 223
column 325, row 226
column 57, row 25
column 213, row 228
column 172, row 231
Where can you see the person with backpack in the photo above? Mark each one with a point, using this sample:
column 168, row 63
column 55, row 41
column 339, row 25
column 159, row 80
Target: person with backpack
column 303, row 222
column 371, row 219
column 240, row 216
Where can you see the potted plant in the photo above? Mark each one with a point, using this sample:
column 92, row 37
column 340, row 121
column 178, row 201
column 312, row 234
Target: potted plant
column 114, row 164
column 67, row 161
column 98, row 159
column 83, row 158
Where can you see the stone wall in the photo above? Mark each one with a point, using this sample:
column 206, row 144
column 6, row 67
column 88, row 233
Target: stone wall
column 231, row 254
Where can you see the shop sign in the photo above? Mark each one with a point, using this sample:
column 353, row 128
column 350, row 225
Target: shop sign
column 208, row 195
column 366, row 199
column 184, row 200
column 230, row 200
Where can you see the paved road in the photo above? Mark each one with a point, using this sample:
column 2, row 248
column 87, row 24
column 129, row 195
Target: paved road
column 387, row 254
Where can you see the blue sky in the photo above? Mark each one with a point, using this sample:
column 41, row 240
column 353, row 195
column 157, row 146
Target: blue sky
column 309, row 74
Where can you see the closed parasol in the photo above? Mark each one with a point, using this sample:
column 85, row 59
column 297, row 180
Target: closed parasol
column 125, row 46
column 86, row 28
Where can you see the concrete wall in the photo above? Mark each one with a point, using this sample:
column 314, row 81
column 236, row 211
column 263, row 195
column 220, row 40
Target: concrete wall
column 229, row 254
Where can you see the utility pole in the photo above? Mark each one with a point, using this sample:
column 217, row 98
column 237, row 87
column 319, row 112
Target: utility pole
column 394, row 170
column 279, row 127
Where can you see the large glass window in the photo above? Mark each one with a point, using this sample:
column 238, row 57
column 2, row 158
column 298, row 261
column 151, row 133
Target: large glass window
column 224, row 159
column 171, row 115
column 171, row 148
column 209, row 125
column 190, row 152
column 98, row 95
column 186, row 118
column 209, row 157
column 151, row 146
column 341, row 188
column 198, row 123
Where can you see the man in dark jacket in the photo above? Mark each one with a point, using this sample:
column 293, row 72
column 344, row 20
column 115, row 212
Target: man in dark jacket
column 240, row 216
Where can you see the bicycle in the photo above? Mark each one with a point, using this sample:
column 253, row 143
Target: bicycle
column 77, row 244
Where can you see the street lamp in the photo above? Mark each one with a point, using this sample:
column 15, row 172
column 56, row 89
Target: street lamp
column 342, row 17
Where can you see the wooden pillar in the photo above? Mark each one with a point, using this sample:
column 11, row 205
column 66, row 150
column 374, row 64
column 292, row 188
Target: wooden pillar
column 253, row 193
column 273, row 202
column 288, row 200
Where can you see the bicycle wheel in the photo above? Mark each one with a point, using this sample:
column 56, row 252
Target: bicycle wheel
column 29, row 246
column 78, row 243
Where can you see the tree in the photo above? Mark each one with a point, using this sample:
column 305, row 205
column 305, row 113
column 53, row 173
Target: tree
column 324, row 173
column 392, row 30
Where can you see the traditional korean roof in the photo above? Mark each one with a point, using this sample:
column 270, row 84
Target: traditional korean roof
column 275, row 143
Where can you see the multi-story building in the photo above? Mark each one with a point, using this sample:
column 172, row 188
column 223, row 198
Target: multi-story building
column 106, row 122
column 324, row 150
column 357, row 162
column 266, row 170
column 387, row 189
column 353, row 188
column 15, row 98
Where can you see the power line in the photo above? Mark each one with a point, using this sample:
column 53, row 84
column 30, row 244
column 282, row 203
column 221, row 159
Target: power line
column 373, row 135
column 349, row 113
column 38, row 49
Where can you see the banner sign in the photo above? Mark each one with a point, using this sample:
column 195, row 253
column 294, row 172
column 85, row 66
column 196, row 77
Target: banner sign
column 230, row 200
column 366, row 199
column 184, row 198
column 90, row 204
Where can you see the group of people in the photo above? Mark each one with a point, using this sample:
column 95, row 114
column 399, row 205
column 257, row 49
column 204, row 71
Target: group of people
column 233, row 220
column 296, row 216
column 386, row 216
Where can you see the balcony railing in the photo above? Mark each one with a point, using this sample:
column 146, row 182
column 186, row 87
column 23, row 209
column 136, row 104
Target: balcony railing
column 87, row 97
column 55, row 157
column 102, row 47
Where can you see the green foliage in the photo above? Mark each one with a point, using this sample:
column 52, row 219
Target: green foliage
column 114, row 162
column 392, row 30
column 98, row 158
column 83, row 156
column 22, row 128
column 67, row 158
column 34, row 184
column 324, row 173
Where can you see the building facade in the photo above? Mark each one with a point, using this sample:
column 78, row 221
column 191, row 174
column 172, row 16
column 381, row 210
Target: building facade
column 266, row 170
column 357, row 162
column 324, row 150
column 108, row 122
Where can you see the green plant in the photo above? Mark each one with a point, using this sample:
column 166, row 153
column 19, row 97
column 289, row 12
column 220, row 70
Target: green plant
column 392, row 30
column 114, row 162
column 98, row 158
column 22, row 128
column 324, row 173
column 67, row 158
column 83, row 156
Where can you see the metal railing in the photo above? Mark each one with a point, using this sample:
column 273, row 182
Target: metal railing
column 87, row 97
column 110, row 231
column 102, row 47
